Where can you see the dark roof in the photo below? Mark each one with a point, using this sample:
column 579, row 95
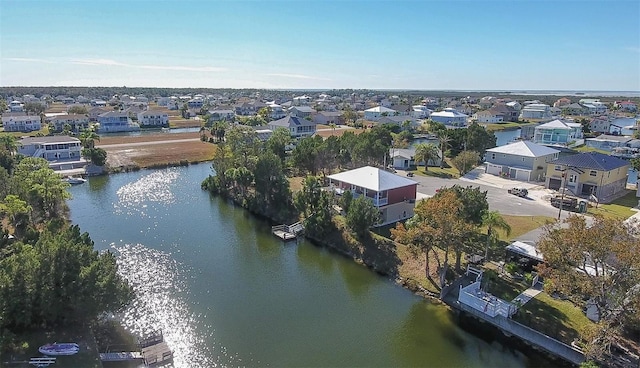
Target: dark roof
column 289, row 121
column 592, row 161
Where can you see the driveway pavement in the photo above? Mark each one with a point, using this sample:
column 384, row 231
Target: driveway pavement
column 536, row 204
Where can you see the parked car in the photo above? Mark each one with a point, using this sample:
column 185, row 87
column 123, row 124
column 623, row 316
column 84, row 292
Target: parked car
column 520, row 192
column 410, row 174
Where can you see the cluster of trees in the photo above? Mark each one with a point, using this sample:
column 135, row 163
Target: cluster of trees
column 49, row 272
column 448, row 225
column 252, row 172
column 596, row 266
column 316, row 155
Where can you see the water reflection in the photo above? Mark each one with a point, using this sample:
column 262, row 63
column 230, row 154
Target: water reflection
column 152, row 188
column 157, row 281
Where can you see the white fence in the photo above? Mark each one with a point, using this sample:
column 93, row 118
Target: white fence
column 476, row 298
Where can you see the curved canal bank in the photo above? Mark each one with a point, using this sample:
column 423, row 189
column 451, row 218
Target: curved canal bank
column 226, row 292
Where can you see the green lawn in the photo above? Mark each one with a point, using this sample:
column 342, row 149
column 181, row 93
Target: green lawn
column 591, row 149
column 447, row 172
column 521, row 225
column 502, row 288
column 620, row 208
column 504, row 126
column 557, row 318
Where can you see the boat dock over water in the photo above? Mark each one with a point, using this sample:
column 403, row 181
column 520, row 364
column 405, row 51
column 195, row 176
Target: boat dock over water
column 153, row 351
column 288, row 232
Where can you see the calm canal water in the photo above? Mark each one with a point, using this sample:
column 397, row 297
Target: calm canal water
column 227, row 293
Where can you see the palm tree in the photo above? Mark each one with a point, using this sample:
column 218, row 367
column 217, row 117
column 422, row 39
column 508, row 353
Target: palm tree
column 443, row 140
column 425, row 152
column 494, row 221
column 88, row 138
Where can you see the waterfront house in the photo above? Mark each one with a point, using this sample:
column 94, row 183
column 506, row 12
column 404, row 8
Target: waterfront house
column 487, row 116
column 557, row 132
column 116, row 121
column 449, row 116
column 94, row 112
column 392, row 194
column 24, row 123
column 523, row 160
column 375, row 113
column 607, row 142
column 222, row 115
column 298, row 127
column 75, row 121
column 600, row 124
column 153, row 118
column 535, row 111
column 62, row 152
column 404, row 158
column 590, row 173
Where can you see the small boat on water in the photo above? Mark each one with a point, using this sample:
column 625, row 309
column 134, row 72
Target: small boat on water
column 74, row 180
column 66, row 348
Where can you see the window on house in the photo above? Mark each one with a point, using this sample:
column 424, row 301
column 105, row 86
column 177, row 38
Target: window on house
column 523, row 159
column 493, row 156
column 573, row 178
column 593, row 173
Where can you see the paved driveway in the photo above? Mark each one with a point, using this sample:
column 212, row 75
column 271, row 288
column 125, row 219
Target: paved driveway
column 536, row 204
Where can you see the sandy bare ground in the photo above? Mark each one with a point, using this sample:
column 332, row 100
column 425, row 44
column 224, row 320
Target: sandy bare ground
column 155, row 149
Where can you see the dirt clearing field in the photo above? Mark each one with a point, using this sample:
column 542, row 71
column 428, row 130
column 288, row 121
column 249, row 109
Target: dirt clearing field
column 155, row 149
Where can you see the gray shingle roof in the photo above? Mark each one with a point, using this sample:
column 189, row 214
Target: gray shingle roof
column 592, row 161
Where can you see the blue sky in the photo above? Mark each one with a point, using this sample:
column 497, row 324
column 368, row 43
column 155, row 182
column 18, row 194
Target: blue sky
column 467, row 45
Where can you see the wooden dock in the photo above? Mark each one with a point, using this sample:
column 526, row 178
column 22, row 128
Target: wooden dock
column 288, row 232
column 154, row 351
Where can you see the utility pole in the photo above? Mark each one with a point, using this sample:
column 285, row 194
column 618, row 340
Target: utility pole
column 563, row 188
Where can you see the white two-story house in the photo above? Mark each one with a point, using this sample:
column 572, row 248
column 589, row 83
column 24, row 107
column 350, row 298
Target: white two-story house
column 116, row 121
column 75, row 121
column 26, row 123
column 153, row 118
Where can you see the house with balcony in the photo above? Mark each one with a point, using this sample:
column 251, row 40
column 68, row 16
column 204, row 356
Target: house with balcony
column 558, row 132
column 23, row 123
column 375, row 113
column 487, row 116
column 116, row 121
column 301, row 111
column 298, row 127
column 16, row 106
column 62, row 152
column 153, row 118
column 589, row 173
column 75, row 121
column 450, row 116
column 420, row 112
column 392, row 194
column 535, row 111
column 222, row 115
column 523, row 160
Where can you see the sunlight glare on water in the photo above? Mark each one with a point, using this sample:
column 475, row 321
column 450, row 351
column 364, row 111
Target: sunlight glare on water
column 157, row 281
column 152, row 188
